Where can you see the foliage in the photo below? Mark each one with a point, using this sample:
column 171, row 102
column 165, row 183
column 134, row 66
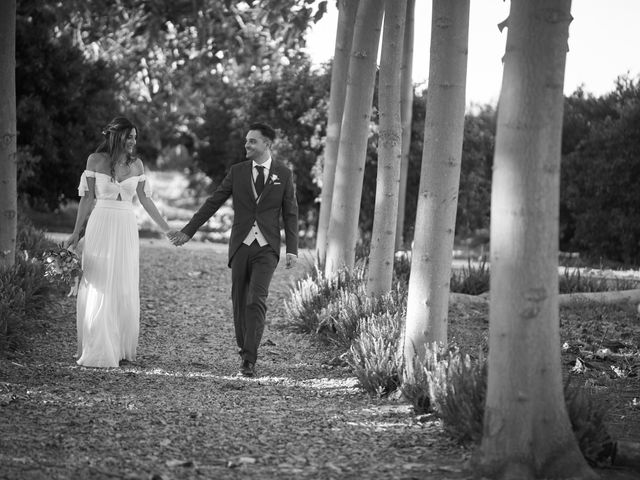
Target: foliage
column 599, row 215
column 375, row 354
column 293, row 101
column 601, row 145
column 62, row 102
column 340, row 320
column 166, row 63
column 474, row 196
column 572, row 281
column 474, row 279
column 312, row 295
column 24, row 289
column 471, row 280
column 453, row 386
column 31, row 239
column 587, row 414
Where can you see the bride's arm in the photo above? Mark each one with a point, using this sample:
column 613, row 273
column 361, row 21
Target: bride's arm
column 84, row 207
column 151, row 208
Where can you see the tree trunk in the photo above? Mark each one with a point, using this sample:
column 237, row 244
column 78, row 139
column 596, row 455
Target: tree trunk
column 527, row 432
column 428, row 297
column 344, row 38
column 406, row 109
column 8, row 134
column 383, row 235
column 354, row 133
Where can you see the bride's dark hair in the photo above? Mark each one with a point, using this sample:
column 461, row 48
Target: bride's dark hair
column 115, row 137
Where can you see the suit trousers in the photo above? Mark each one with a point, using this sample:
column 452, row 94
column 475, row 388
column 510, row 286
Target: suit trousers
column 252, row 268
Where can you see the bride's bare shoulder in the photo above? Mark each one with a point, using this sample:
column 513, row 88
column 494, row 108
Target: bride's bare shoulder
column 97, row 162
column 138, row 166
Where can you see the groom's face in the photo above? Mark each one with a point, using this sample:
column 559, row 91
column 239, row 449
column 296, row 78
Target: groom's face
column 257, row 146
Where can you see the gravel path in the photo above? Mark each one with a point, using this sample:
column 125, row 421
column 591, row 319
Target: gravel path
column 180, row 411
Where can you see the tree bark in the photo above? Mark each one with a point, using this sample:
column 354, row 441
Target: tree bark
column 406, row 109
column 354, row 133
column 428, row 297
column 383, row 235
column 527, row 432
column 344, row 38
column 8, row 134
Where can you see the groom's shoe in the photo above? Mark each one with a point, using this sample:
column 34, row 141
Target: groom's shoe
column 247, row 369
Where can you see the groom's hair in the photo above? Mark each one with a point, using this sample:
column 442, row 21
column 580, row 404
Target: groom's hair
column 266, row 130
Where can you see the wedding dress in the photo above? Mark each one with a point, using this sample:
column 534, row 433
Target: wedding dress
column 108, row 303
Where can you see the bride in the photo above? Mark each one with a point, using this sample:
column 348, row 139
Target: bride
column 108, row 303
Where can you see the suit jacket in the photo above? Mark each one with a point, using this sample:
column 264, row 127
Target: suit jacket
column 277, row 198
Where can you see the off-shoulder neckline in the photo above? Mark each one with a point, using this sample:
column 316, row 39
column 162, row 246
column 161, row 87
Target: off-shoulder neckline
column 117, row 181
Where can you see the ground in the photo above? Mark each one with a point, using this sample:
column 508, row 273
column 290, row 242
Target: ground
column 181, row 412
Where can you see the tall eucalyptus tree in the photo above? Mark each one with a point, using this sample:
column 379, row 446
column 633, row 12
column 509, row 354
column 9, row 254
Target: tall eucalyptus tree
column 383, row 235
column 406, row 108
column 428, row 297
column 8, row 134
column 354, row 132
column 347, row 10
column 527, row 432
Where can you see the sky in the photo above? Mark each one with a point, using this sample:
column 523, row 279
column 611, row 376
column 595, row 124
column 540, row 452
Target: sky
column 604, row 38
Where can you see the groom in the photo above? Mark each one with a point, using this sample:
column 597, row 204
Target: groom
column 262, row 190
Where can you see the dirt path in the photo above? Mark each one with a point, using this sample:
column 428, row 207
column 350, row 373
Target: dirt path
column 180, row 412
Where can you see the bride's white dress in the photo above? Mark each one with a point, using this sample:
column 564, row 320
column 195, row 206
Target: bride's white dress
column 108, row 303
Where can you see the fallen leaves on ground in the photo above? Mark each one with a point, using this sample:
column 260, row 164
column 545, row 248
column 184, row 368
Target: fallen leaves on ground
column 181, row 412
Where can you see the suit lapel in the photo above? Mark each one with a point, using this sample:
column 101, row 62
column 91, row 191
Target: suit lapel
column 248, row 180
column 274, row 172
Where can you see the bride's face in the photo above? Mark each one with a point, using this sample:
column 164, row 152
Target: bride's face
column 130, row 141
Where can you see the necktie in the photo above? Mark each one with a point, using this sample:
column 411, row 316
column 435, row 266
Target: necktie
column 259, row 180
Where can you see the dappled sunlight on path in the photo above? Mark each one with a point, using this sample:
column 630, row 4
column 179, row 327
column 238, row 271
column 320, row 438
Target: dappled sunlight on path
column 181, row 412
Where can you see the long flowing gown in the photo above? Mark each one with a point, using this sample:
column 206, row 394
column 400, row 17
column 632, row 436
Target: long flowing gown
column 108, row 303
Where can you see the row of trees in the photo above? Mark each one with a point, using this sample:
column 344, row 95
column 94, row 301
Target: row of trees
column 195, row 73
column 526, row 435
column 58, row 130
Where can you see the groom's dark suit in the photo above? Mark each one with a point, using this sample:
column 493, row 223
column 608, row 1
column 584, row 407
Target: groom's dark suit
column 252, row 266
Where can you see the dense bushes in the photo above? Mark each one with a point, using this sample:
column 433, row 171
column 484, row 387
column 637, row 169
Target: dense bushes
column 599, row 215
column 450, row 383
column 63, row 99
column 24, row 289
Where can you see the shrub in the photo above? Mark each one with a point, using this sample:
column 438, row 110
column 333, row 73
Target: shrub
column 472, row 280
column 375, row 354
column 341, row 318
column 31, row 239
column 454, row 387
column 24, row 289
column 312, row 294
column 572, row 281
column 587, row 414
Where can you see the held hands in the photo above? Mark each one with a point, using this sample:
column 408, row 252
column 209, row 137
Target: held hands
column 177, row 238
